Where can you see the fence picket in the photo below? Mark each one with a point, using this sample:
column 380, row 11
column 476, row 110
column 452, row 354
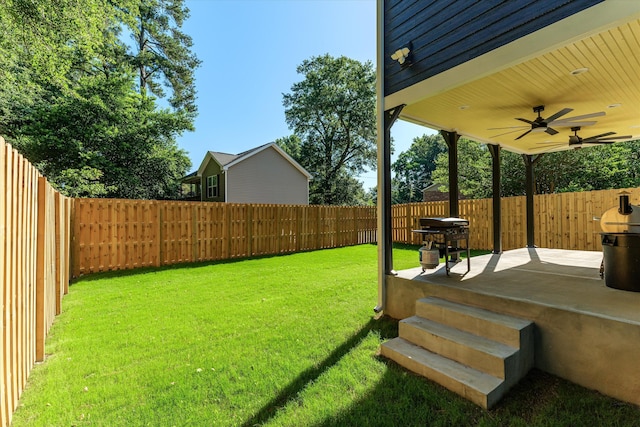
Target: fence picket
column 34, row 246
column 46, row 238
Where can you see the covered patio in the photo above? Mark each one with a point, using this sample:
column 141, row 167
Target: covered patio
column 531, row 78
column 584, row 331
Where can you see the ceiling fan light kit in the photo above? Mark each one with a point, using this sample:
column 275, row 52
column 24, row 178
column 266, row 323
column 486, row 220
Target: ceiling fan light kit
column 576, row 141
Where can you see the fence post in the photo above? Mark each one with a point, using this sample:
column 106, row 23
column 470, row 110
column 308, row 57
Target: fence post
column 227, row 230
column 249, row 225
column 69, row 203
column 409, row 226
column 354, row 236
column 298, row 227
column 194, row 232
column 278, row 229
column 161, row 233
column 338, row 228
column 318, row 219
column 41, row 269
column 6, row 404
column 58, row 254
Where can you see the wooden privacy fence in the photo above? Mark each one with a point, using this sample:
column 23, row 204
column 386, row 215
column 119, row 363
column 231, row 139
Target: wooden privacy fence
column 114, row 234
column 561, row 221
column 34, row 248
column 44, row 236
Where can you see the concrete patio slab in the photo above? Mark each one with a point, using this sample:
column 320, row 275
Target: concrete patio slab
column 553, row 277
column 585, row 331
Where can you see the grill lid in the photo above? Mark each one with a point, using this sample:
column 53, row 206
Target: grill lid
column 622, row 219
column 445, row 222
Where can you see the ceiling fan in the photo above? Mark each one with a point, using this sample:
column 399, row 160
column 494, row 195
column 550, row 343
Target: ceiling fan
column 540, row 124
column 603, row 138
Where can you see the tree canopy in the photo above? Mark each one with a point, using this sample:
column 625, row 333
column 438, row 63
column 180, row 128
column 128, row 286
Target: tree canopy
column 413, row 168
column 590, row 168
column 332, row 114
column 69, row 100
column 162, row 54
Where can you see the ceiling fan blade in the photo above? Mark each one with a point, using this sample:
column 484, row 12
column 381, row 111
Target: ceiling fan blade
column 551, row 131
column 509, row 127
column 600, row 136
column 554, row 145
column 524, row 120
column 617, row 137
column 523, row 134
column 576, row 118
column 558, row 114
column 611, row 138
column 506, row 133
column 562, row 123
column 598, row 141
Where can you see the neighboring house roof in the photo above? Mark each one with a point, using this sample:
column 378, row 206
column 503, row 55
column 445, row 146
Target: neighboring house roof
column 432, row 187
column 191, row 178
column 226, row 160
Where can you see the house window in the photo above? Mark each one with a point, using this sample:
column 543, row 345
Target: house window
column 212, row 186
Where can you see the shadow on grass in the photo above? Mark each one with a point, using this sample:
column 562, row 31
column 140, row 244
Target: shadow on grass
column 540, row 399
column 387, row 328
column 147, row 270
column 189, row 265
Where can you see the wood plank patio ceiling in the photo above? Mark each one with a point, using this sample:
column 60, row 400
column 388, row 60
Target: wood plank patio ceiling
column 612, row 85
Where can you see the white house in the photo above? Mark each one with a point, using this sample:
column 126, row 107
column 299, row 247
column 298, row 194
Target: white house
column 265, row 174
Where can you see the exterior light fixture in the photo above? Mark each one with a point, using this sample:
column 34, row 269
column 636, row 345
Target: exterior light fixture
column 578, row 71
column 404, row 55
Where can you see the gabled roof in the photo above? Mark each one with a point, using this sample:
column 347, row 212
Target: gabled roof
column 226, row 160
column 223, row 158
column 432, row 187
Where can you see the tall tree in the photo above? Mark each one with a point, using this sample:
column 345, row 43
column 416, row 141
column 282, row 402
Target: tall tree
column 332, row 111
column 68, row 101
column 413, row 168
column 105, row 140
column 42, row 46
column 590, row 168
column 474, row 169
column 163, row 56
column 291, row 145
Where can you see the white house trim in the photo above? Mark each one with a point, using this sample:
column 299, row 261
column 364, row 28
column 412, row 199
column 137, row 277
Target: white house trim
column 264, row 147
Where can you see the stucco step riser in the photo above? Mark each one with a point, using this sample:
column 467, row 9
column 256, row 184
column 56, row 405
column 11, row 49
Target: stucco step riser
column 461, row 352
column 514, row 332
column 430, row 369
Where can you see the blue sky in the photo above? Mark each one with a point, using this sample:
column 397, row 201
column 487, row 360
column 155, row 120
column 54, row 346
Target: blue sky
column 250, row 50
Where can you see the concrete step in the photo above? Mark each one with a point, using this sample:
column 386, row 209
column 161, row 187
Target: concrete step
column 481, row 388
column 474, row 352
column 508, row 330
column 494, row 358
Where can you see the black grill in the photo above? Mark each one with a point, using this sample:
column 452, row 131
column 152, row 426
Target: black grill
column 449, row 235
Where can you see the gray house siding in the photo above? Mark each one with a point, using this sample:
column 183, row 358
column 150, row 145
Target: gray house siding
column 213, row 168
column 266, row 177
column 446, row 33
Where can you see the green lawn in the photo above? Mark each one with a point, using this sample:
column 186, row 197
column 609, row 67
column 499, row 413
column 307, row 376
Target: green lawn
column 277, row 341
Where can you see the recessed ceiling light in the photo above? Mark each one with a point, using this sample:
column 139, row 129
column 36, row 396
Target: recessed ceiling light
column 634, row 127
column 616, row 105
column 464, row 107
column 579, row 71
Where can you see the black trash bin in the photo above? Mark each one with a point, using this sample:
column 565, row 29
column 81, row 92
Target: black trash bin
column 621, row 260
